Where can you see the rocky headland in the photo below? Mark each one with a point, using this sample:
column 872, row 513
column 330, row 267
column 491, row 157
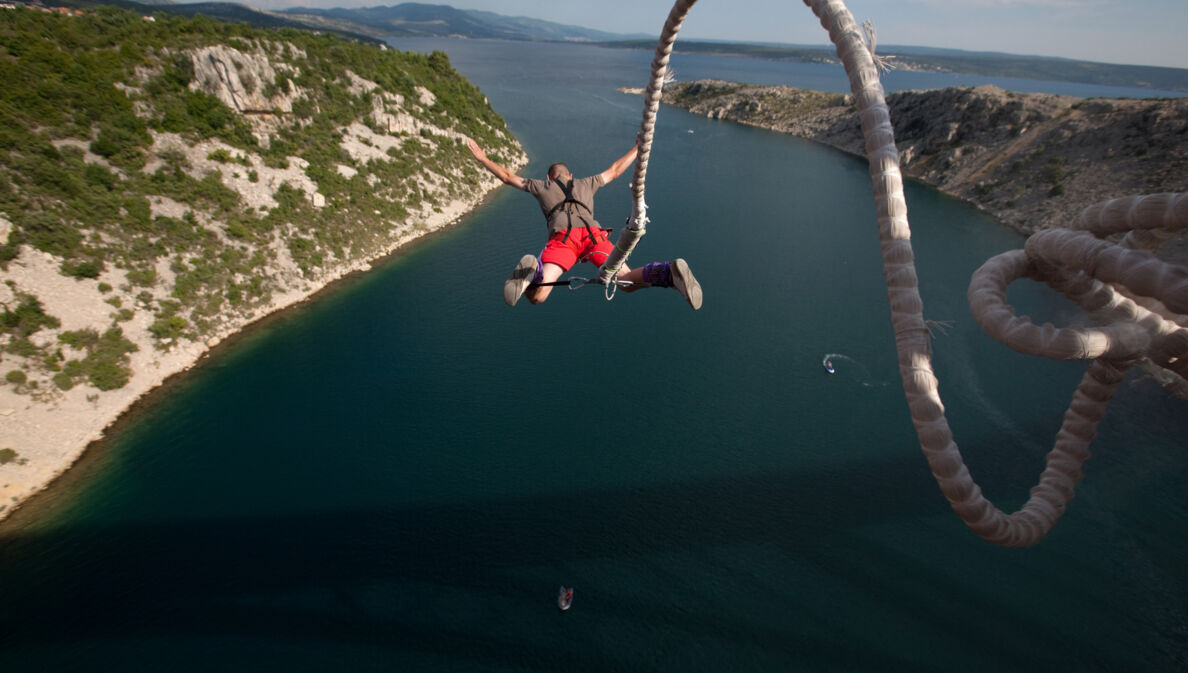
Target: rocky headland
column 1032, row 160
column 152, row 255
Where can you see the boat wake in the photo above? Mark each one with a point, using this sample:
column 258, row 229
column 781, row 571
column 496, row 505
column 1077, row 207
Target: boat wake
column 838, row 363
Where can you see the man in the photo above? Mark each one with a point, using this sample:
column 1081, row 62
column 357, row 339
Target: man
column 575, row 236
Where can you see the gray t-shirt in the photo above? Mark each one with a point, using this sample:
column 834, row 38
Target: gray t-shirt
column 548, row 193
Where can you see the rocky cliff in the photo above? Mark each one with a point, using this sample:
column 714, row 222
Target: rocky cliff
column 1032, row 160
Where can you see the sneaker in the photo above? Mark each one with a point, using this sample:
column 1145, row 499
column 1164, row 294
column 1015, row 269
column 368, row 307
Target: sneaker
column 685, row 283
column 519, row 280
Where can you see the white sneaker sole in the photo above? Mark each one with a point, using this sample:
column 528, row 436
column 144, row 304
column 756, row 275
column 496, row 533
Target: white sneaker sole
column 519, row 280
column 685, row 283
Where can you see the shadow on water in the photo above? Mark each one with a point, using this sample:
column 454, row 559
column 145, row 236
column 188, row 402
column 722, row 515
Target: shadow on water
column 377, row 578
column 191, row 578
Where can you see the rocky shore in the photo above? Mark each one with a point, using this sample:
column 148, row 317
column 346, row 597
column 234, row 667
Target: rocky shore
column 45, row 428
column 48, row 433
column 1033, row 161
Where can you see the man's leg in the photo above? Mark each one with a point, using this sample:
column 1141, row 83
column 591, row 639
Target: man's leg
column 675, row 274
column 558, row 256
column 538, row 293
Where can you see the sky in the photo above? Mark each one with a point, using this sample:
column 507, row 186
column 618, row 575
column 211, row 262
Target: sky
column 1135, row 32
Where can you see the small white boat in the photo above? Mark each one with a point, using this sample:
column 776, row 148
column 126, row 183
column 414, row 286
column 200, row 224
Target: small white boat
column 565, row 598
column 829, row 366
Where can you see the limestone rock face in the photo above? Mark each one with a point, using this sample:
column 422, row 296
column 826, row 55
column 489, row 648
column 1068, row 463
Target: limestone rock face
column 240, row 79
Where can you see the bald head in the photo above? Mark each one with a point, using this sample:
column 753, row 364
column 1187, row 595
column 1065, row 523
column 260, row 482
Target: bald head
column 558, row 170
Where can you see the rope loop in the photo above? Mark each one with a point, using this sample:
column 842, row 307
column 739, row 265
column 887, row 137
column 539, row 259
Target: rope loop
column 1140, row 302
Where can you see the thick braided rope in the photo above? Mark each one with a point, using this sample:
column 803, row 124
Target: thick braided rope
column 1085, row 268
column 1139, row 300
column 637, row 226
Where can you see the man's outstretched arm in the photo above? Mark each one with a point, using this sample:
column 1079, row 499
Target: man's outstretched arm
column 498, row 171
column 616, row 169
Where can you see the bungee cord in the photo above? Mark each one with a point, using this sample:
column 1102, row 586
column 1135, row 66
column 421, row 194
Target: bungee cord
column 1140, row 302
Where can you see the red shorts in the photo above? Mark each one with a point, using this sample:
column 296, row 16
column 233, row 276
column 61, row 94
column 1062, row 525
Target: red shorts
column 591, row 245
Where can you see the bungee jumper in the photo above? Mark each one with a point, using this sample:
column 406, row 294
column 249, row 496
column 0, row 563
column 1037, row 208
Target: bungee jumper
column 575, row 236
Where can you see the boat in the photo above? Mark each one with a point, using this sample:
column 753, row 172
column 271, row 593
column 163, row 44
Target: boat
column 565, row 598
column 829, row 366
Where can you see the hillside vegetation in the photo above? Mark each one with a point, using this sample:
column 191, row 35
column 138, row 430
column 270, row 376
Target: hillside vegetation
column 184, row 173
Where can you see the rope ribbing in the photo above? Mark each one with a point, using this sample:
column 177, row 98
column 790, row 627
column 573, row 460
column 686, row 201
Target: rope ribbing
column 1140, row 301
column 637, row 226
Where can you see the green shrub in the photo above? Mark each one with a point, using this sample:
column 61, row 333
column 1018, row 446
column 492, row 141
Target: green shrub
column 87, row 269
column 122, row 139
column 16, row 377
column 22, row 347
column 74, row 369
column 106, row 375
column 99, row 176
column 8, row 252
column 63, row 381
column 106, row 363
column 168, row 328
column 236, row 229
column 27, row 318
column 83, row 339
column 142, row 277
column 50, row 233
column 7, row 456
column 1053, row 171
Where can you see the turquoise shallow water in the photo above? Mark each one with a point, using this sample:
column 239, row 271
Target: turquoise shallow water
column 400, row 475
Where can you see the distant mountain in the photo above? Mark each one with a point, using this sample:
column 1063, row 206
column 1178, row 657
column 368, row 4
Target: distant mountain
column 929, row 59
column 222, row 11
column 428, row 20
column 998, row 64
column 413, row 19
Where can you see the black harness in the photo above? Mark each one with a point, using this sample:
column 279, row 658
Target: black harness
column 567, row 190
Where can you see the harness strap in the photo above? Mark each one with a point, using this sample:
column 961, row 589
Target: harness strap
column 567, row 190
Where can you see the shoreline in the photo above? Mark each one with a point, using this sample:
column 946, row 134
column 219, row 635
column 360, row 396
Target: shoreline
column 1030, row 161
column 833, row 144
column 70, row 434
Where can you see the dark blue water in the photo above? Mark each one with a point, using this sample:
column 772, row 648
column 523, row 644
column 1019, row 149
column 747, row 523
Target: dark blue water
column 398, row 476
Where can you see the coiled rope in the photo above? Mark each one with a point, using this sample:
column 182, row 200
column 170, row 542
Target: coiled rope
column 1140, row 301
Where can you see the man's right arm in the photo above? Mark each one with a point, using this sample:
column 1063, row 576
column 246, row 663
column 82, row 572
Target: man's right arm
column 498, row 171
column 616, row 169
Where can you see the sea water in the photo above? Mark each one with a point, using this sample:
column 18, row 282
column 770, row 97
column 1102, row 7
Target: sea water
column 400, row 475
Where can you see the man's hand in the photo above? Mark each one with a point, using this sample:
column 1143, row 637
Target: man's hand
column 506, row 176
column 476, row 150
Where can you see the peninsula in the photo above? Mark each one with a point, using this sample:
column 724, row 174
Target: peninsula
column 1031, row 160
column 165, row 182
